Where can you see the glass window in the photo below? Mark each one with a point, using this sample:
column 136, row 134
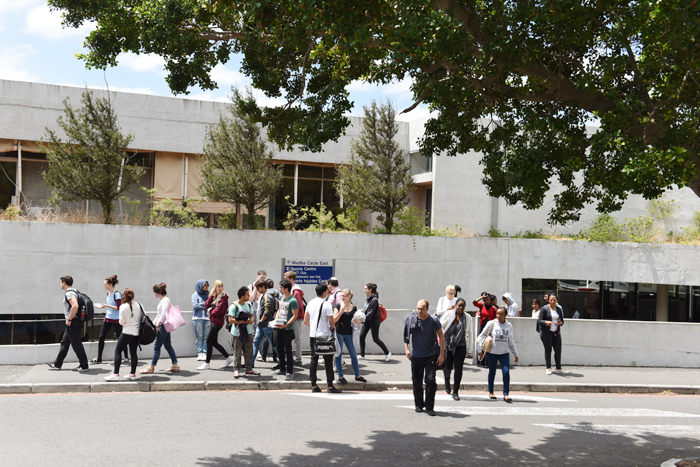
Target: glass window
column 280, row 207
column 288, row 170
column 8, row 173
column 310, row 171
column 329, row 173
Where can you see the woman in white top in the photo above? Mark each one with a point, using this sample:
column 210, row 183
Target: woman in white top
column 550, row 321
column 130, row 314
column 502, row 333
column 162, row 336
column 536, row 308
column 446, row 303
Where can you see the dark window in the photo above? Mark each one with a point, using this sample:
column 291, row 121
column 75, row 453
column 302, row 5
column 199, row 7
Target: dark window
column 8, row 173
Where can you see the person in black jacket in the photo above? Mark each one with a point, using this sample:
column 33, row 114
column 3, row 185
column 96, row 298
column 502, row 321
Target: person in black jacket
column 372, row 321
column 550, row 321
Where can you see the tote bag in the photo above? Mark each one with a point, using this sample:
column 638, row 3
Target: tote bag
column 173, row 318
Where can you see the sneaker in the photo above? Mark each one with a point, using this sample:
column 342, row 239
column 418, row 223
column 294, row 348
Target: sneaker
column 112, row 377
column 204, row 366
column 227, row 362
column 387, row 357
column 252, row 373
column 95, row 360
column 448, row 387
column 81, row 370
column 235, row 373
column 201, row 357
column 455, row 396
column 289, row 376
column 130, row 377
column 344, row 363
column 276, row 367
column 333, row 390
column 125, row 360
column 360, row 357
column 342, row 380
column 431, row 413
column 360, row 379
column 297, row 362
column 315, row 389
column 419, row 409
column 277, row 372
column 53, row 366
column 549, row 371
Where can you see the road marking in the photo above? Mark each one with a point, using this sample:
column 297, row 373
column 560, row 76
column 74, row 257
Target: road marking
column 625, row 430
column 409, row 397
column 559, row 412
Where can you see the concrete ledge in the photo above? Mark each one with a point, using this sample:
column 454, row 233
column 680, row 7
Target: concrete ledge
column 543, row 387
column 275, row 385
column 15, row 388
column 50, row 388
column 627, row 388
column 232, row 385
column 581, row 387
column 370, row 386
column 178, row 385
column 121, row 386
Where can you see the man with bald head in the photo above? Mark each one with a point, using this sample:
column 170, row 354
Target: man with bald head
column 422, row 331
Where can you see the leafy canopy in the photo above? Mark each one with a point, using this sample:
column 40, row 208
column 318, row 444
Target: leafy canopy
column 517, row 80
column 93, row 163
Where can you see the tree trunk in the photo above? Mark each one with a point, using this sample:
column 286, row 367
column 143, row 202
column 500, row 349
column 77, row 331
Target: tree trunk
column 252, row 222
column 388, row 222
column 107, row 209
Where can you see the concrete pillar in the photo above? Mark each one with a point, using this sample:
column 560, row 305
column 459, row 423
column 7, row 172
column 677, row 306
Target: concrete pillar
column 662, row 302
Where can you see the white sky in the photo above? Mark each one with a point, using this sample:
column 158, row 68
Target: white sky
column 35, row 47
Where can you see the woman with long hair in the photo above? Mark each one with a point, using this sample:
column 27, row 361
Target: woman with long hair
column 343, row 315
column 551, row 320
column 130, row 314
column 111, row 320
column 217, row 306
column 162, row 336
column 372, row 321
column 455, row 331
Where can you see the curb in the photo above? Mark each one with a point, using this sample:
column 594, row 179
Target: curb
column 243, row 385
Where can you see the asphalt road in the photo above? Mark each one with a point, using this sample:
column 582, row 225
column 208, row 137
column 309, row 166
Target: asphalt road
column 268, row 428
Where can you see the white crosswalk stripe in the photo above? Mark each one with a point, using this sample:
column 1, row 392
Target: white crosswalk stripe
column 625, row 430
column 409, row 397
column 500, row 410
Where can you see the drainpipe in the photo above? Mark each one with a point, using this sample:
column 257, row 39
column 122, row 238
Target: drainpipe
column 184, row 189
column 296, row 182
column 18, row 176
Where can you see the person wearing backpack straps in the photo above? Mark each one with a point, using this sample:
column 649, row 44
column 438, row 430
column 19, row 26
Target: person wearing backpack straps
column 501, row 331
column 111, row 320
column 422, row 331
column 130, row 315
column 298, row 294
column 266, row 314
column 319, row 318
column 163, row 336
column 372, row 321
column 71, row 335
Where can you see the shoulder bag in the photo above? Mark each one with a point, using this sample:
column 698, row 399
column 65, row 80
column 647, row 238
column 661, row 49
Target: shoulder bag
column 323, row 345
column 488, row 342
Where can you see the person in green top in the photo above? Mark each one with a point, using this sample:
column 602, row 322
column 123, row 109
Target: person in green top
column 242, row 331
column 289, row 311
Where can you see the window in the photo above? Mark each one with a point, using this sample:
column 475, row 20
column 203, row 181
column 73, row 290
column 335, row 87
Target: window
column 8, row 173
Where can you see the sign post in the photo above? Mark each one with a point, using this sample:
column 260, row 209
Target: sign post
column 309, row 271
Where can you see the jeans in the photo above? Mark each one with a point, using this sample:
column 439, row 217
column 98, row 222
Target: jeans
column 551, row 341
column 284, row 349
column 239, row 348
column 493, row 360
column 260, row 334
column 374, row 327
column 327, row 362
column 71, row 338
column 201, row 332
column 297, row 339
column 455, row 360
column 347, row 340
column 132, row 342
column 213, row 342
column 163, row 340
column 419, row 366
column 106, row 326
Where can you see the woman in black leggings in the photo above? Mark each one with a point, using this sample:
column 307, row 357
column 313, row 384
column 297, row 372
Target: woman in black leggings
column 217, row 306
column 111, row 320
column 130, row 314
column 550, row 321
column 455, row 332
column 372, row 321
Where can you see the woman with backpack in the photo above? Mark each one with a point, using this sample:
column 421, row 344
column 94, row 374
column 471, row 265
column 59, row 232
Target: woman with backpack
column 163, row 336
column 372, row 321
column 130, row 314
column 217, row 306
column 111, row 320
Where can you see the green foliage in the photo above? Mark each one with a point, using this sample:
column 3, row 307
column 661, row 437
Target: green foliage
column 604, row 229
column 321, row 219
column 166, row 213
column 228, row 220
column 93, row 163
column 642, row 229
column 542, row 70
column 350, row 220
column 378, row 177
column 522, row 234
column 411, row 221
column 10, row 213
column 296, row 216
column 236, row 165
column 134, row 216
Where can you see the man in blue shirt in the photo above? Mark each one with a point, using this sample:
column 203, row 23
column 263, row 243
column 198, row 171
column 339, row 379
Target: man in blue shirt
column 423, row 354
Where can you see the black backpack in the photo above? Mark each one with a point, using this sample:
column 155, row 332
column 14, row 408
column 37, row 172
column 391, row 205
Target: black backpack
column 147, row 330
column 86, row 310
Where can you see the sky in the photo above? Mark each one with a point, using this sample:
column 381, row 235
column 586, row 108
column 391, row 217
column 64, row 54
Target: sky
column 35, row 47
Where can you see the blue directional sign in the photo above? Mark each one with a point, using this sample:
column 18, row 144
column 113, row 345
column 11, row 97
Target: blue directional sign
column 310, row 271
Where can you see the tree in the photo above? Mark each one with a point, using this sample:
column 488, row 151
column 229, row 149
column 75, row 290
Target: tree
column 518, row 81
column 378, row 177
column 93, row 164
column 236, row 165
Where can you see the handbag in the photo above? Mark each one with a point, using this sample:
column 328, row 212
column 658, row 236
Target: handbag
column 488, row 342
column 173, row 318
column 323, row 345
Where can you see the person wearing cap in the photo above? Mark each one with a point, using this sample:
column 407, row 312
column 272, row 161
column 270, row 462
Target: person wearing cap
column 335, row 294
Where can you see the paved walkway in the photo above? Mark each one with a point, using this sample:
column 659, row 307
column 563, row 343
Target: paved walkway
column 380, row 375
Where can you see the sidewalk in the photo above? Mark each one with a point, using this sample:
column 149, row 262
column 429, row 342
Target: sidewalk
column 380, row 375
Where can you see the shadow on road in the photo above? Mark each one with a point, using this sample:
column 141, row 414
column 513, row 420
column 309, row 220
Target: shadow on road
column 586, row 446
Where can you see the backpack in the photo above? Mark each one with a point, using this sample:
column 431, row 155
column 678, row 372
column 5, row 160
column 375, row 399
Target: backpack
column 147, row 330
column 382, row 313
column 86, row 310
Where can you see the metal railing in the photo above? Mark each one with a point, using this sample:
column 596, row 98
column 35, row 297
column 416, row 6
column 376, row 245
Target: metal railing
column 35, row 323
